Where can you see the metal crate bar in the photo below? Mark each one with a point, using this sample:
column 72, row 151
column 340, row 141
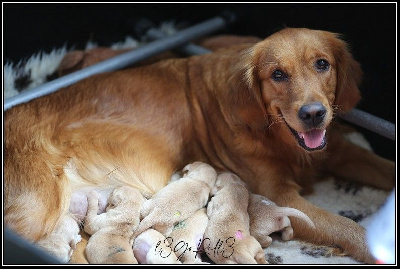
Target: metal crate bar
column 188, row 49
column 371, row 122
column 125, row 59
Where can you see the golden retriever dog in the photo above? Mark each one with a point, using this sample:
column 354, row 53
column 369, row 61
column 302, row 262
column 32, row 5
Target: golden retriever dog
column 110, row 241
column 178, row 200
column 227, row 238
column 266, row 218
column 264, row 111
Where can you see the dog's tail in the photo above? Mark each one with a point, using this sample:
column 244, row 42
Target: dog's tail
column 293, row 212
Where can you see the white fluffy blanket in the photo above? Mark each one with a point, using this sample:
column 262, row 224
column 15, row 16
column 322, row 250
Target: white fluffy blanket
column 359, row 203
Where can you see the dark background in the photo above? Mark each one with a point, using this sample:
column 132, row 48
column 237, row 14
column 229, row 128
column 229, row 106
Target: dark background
column 370, row 30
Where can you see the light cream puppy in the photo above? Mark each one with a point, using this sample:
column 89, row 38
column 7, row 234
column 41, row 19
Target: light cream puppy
column 227, row 239
column 188, row 235
column 179, row 199
column 266, row 217
column 151, row 247
column 111, row 231
column 62, row 242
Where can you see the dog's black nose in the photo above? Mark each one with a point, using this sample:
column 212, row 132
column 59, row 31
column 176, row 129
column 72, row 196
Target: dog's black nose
column 312, row 114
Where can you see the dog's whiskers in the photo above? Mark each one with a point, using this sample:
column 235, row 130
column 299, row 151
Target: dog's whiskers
column 274, row 119
column 336, row 110
column 274, row 122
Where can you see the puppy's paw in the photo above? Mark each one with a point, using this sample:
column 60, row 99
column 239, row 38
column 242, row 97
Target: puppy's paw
column 260, row 258
column 287, row 233
column 93, row 198
column 93, row 195
column 75, row 241
column 266, row 241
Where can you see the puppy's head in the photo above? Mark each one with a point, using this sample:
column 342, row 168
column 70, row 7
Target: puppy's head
column 200, row 171
column 124, row 194
column 224, row 179
column 302, row 77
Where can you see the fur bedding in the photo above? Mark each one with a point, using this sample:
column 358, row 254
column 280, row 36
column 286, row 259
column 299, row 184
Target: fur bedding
column 359, row 203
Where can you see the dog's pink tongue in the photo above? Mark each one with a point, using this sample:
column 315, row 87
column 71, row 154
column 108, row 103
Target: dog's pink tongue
column 313, row 138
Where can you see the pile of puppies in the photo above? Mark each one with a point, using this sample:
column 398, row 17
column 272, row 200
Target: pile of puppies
column 181, row 224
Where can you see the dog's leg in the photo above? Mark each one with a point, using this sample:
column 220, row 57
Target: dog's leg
column 351, row 162
column 34, row 200
column 330, row 229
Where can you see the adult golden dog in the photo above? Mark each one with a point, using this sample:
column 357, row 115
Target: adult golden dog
column 263, row 111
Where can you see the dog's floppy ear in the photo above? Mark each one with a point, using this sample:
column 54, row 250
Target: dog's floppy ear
column 349, row 75
column 247, row 94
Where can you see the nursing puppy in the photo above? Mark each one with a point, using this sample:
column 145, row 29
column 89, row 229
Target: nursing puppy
column 227, row 239
column 62, row 242
column 188, row 235
column 264, row 111
column 151, row 247
column 266, row 217
column 111, row 231
column 178, row 200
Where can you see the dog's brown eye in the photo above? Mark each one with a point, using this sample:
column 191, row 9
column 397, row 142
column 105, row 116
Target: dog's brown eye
column 322, row 65
column 278, row 75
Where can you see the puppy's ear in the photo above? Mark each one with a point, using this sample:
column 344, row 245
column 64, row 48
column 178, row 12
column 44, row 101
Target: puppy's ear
column 116, row 198
column 210, row 208
column 349, row 75
column 215, row 189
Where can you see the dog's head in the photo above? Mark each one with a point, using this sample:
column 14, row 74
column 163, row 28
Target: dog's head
column 302, row 78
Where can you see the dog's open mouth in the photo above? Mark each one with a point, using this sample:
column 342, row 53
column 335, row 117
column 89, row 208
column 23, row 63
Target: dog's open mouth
column 314, row 139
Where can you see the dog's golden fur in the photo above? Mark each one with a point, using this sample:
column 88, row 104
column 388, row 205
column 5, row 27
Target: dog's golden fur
column 229, row 108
